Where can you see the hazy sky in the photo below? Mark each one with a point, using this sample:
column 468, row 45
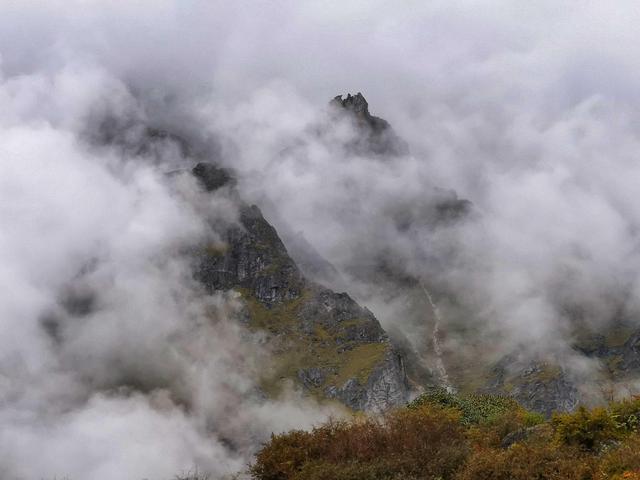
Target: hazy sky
column 528, row 109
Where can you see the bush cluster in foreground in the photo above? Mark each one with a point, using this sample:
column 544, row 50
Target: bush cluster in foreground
column 474, row 437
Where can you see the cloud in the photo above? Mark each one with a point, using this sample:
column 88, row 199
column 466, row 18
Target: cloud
column 114, row 361
column 529, row 111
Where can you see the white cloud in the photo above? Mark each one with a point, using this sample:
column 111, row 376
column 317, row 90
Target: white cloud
column 530, row 111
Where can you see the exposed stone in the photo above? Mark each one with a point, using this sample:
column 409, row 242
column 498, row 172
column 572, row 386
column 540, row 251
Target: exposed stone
column 255, row 259
column 622, row 356
column 386, row 386
column 337, row 312
column 539, row 386
column 375, row 134
column 212, row 177
column 315, row 376
column 325, row 330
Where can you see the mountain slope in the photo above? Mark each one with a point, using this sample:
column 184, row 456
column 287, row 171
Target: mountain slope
column 322, row 341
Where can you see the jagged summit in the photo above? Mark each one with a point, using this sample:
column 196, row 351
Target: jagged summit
column 356, row 103
column 376, row 135
column 213, row 177
column 358, row 106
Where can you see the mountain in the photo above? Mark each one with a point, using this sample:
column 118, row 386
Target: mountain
column 328, row 345
column 441, row 435
column 322, row 341
column 375, row 135
column 455, row 352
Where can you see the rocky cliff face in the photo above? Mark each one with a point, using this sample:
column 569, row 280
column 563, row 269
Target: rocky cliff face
column 618, row 348
column 375, row 135
column 253, row 259
column 541, row 386
column 323, row 341
column 547, row 386
column 326, row 344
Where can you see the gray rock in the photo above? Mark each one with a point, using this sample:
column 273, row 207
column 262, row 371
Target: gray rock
column 255, row 260
column 537, row 385
column 212, row 177
column 623, row 360
column 315, row 376
column 376, row 135
column 388, row 384
column 385, row 387
column 342, row 317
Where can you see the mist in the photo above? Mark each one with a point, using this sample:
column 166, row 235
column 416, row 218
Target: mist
column 114, row 362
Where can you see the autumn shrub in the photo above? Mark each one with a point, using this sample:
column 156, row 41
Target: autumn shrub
column 587, row 429
column 381, row 469
column 626, row 414
column 531, row 419
column 493, row 434
column 425, row 442
column 472, row 437
column 285, row 454
column 623, row 460
column 474, row 408
column 526, row 460
column 488, row 418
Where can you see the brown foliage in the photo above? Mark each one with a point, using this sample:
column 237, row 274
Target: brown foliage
column 434, row 441
column 622, row 461
column 524, row 461
column 423, row 443
column 587, row 429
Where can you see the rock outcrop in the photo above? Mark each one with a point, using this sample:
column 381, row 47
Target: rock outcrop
column 375, row 135
column 253, row 258
column 540, row 386
column 380, row 390
column 213, row 177
column 322, row 341
column 617, row 347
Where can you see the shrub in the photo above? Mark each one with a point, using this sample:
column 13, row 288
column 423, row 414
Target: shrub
column 524, row 461
column 474, row 437
column 474, row 408
column 626, row 414
column 285, row 454
column 623, row 461
column 531, row 419
column 587, row 429
column 381, row 469
column 425, row 442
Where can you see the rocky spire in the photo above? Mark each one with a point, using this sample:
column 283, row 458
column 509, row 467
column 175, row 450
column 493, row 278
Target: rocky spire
column 377, row 136
column 354, row 103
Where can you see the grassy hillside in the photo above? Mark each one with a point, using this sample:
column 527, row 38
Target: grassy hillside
column 470, row 437
column 315, row 355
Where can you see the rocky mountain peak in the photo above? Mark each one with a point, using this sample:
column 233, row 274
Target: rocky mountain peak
column 375, row 135
column 354, row 103
column 321, row 340
column 211, row 176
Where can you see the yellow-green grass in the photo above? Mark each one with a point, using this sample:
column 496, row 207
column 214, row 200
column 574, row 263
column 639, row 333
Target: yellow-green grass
column 294, row 349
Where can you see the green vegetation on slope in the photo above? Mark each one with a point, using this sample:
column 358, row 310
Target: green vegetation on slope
column 590, row 340
column 216, row 249
column 476, row 408
column 296, row 350
column 471, row 437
